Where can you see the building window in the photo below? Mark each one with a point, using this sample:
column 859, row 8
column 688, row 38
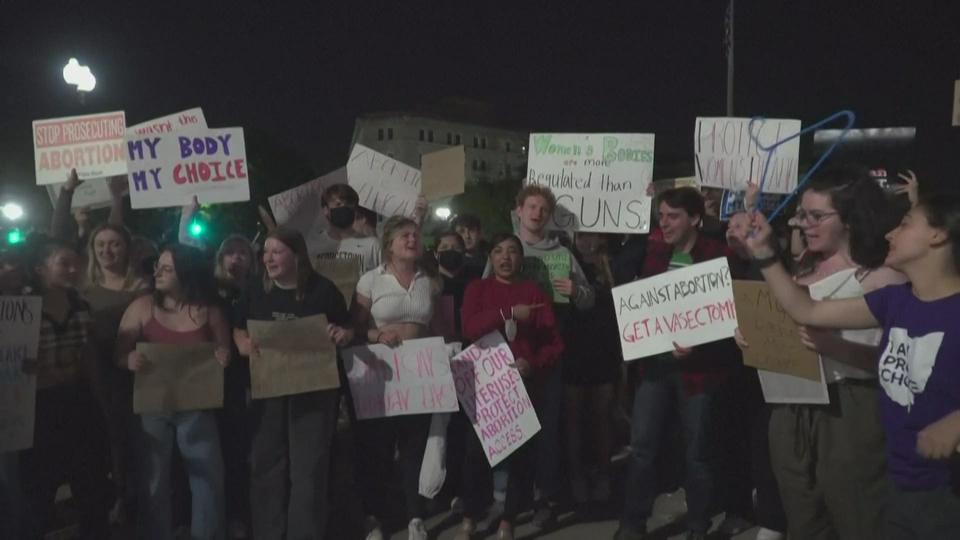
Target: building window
column 476, row 141
column 430, row 136
column 483, row 142
column 507, row 144
column 474, row 165
column 390, row 133
column 456, row 139
column 483, row 165
column 449, row 138
column 380, row 134
column 421, row 134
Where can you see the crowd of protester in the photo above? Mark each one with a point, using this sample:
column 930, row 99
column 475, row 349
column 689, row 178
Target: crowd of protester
column 878, row 461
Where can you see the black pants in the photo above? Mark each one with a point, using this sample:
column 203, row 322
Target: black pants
column 233, row 421
column 521, row 472
column 377, row 440
column 69, row 445
column 290, row 465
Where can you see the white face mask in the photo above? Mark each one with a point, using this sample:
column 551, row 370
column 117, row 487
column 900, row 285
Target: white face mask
column 510, row 328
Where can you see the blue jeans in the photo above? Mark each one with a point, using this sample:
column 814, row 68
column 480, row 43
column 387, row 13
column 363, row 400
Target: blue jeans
column 659, row 391
column 195, row 434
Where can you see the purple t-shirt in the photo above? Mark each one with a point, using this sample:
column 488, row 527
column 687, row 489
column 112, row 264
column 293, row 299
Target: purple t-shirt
column 919, row 372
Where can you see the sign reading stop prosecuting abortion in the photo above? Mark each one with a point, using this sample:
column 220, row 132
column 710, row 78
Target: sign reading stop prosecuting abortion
column 91, row 144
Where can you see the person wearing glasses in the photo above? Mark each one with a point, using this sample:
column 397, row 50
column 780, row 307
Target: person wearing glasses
column 829, row 460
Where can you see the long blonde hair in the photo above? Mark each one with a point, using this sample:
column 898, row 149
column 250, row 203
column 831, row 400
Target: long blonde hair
column 95, row 274
column 390, row 230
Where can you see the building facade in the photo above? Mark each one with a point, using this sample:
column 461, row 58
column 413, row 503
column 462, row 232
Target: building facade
column 492, row 154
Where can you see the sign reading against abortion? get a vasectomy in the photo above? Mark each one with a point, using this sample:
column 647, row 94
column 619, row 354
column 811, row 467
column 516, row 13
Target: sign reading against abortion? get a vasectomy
column 168, row 169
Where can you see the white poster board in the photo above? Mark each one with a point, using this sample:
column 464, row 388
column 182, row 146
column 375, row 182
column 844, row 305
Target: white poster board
column 689, row 306
column 300, row 208
column 727, row 157
column 493, row 397
column 91, row 194
column 168, row 169
column 92, row 144
column 20, row 318
column 413, row 378
column 385, row 185
column 190, row 118
column 600, row 179
column 786, row 388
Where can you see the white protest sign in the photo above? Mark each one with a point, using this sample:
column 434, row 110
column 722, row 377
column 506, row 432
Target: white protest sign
column 91, row 144
column 600, row 179
column 413, row 378
column 169, row 169
column 493, row 397
column 786, row 388
column 385, row 185
column 689, row 306
column 190, row 118
column 90, row 194
column 300, row 208
column 19, row 337
column 727, row 157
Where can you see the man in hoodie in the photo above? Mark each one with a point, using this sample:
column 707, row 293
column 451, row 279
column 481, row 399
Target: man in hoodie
column 339, row 203
column 542, row 256
column 686, row 378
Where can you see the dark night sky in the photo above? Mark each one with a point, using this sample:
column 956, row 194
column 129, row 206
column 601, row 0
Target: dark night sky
column 302, row 71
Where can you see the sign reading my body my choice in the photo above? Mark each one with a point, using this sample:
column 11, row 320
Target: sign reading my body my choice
column 168, row 169
column 600, row 179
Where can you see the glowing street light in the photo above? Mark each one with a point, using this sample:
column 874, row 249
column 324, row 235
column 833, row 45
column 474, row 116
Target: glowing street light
column 12, row 211
column 442, row 212
column 80, row 76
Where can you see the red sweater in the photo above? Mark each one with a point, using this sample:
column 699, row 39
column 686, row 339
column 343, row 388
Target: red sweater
column 538, row 341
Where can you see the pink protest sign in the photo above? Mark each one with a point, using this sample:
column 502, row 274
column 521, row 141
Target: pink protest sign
column 91, row 144
column 493, row 397
column 413, row 378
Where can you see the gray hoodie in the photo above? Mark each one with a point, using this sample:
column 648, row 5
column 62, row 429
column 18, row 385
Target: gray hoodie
column 586, row 296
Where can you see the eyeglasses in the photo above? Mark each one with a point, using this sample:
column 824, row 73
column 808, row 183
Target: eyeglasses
column 814, row 217
column 166, row 269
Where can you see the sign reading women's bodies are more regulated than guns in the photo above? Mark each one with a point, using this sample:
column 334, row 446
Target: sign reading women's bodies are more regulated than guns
column 413, row 378
column 177, row 378
column 771, row 333
column 689, row 306
column 91, row 144
column 19, row 337
column 169, row 169
column 493, row 397
column 727, row 157
column 292, row 357
column 385, row 185
column 600, row 179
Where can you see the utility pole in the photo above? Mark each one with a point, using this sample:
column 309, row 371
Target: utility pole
column 728, row 49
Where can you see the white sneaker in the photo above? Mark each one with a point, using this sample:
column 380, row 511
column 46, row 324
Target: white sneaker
column 372, row 526
column 767, row 534
column 416, row 530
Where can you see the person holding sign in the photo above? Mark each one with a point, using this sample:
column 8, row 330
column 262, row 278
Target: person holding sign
column 919, row 362
column 840, row 485
column 395, row 302
column 687, row 377
column 69, row 432
column 183, row 310
column 292, row 434
column 517, row 307
column 340, row 203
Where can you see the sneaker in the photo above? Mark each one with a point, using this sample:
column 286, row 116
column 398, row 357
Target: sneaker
column 456, row 506
column 628, row 533
column 372, row 526
column 493, row 517
column 767, row 534
column 733, row 525
column 505, row 532
column 416, row 530
column 544, row 518
column 621, row 454
column 466, row 530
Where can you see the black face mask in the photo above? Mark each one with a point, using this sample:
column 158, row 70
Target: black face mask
column 450, row 259
column 342, row 217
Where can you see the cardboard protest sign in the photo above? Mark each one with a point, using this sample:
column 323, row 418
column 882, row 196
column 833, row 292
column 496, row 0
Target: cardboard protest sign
column 659, row 186
column 956, row 103
column 90, row 194
column 547, row 268
column 343, row 270
column 600, row 179
column 413, row 378
column 169, row 169
column 772, row 334
column 19, row 337
column 300, row 208
column 385, row 185
column 689, row 306
column 190, row 118
column 727, row 157
column 92, row 144
column 177, row 378
column 294, row 357
column 444, row 173
column 493, row 397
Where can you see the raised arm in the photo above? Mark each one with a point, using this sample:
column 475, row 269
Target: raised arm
column 118, row 188
column 62, row 225
column 187, row 214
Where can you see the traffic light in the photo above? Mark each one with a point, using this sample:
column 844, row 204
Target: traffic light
column 197, row 228
column 14, row 236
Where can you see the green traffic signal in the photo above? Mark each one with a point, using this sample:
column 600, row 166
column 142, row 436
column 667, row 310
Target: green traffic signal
column 14, row 236
column 196, row 229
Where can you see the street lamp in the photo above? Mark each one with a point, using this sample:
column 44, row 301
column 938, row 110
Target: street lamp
column 12, row 211
column 80, row 76
column 442, row 212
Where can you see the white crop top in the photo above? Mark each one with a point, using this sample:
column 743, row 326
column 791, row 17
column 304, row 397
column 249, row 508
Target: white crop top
column 391, row 303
